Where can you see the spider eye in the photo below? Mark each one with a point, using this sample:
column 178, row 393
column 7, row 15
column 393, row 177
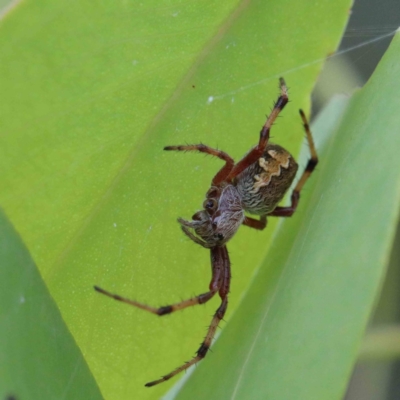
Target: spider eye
column 209, row 204
column 220, row 236
column 212, row 193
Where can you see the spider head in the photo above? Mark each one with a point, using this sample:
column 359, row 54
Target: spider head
column 221, row 217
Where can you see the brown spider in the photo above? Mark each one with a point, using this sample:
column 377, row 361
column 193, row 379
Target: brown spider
column 256, row 184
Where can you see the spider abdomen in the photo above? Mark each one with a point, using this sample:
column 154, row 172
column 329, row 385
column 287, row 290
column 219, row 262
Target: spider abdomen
column 263, row 184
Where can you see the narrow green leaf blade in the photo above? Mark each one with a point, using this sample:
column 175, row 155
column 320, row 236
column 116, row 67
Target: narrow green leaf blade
column 39, row 359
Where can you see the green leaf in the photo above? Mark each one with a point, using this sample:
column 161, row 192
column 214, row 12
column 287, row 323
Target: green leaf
column 91, row 94
column 297, row 332
column 381, row 344
column 39, row 358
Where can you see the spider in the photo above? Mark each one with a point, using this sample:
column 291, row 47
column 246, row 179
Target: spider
column 255, row 184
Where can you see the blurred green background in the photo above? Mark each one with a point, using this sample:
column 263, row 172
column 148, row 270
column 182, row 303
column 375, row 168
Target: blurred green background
column 376, row 375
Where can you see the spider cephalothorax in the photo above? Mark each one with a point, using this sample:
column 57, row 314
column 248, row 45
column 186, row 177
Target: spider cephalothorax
column 218, row 222
column 255, row 184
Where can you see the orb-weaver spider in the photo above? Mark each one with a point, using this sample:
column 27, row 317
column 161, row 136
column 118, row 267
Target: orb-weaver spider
column 256, row 184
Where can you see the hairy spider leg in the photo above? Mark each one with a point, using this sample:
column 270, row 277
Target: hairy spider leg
column 223, row 172
column 200, row 299
column 258, row 150
column 218, row 271
column 255, row 223
column 312, row 163
column 218, row 255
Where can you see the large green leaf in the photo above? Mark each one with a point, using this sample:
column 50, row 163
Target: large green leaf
column 297, row 332
column 91, row 94
column 38, row 357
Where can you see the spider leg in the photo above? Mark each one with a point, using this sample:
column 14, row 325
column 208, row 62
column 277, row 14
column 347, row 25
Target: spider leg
column 255, row 223
column 219, row 255
column 312, row 163
column 223, row 172
column 200, row 299
column 258, row 150
column 216, row 282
